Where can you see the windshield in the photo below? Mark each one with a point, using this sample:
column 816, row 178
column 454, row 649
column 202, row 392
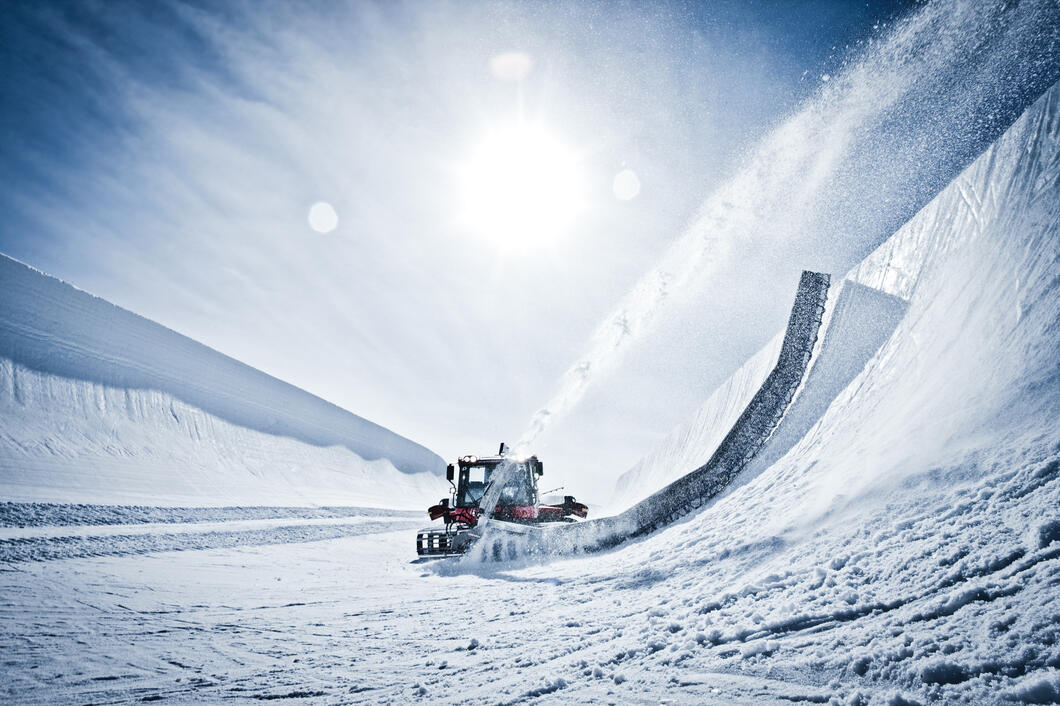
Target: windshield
column 475, row 484
column 517, row 491
column 475, row 479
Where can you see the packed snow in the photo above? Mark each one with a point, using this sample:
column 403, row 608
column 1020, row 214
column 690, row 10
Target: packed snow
column 103, row 406
column 905, row 549
column 896, row 542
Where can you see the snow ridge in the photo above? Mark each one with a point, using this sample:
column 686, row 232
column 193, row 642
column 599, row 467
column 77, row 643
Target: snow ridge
column 52, row 327
column 103, row 406
column 751, row 430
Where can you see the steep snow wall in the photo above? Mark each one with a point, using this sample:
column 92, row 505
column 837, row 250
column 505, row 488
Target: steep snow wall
column 905, row 549
column 99, row 403
column 856, row 322
column 756, row 422
column 861, row 322
column 963, row 336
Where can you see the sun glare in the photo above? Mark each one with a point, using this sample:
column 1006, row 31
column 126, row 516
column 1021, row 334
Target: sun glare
column 521, row 188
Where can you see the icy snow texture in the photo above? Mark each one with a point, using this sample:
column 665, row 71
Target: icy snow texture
column 906, row 548
column 101, row 405
column 856, row 322
column 741, row 443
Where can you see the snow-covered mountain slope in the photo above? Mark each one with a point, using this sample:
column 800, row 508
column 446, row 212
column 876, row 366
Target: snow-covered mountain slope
column 101, row 405
column 904, row 549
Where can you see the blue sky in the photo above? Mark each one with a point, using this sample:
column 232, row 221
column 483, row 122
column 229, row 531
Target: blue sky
column 164, row 156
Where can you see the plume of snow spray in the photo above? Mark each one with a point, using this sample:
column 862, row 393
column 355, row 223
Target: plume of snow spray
column 933, row 90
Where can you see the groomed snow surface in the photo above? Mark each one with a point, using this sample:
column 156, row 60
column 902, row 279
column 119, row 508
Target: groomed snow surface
column 81, row 441
column 904, row 549
column 100, row 405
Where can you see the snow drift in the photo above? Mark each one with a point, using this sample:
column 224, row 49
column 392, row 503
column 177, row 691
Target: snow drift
column 855, row 323
column 102, row 405
column 899, row 543
column 905, row 547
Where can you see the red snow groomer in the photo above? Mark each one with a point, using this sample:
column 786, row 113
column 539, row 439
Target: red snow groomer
column 518, row 502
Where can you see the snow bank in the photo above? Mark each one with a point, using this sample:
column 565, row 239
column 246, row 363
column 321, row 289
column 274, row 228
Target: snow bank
column 856, row 321
column 902, row 543
column 691, row 444
column 101, row 405
column 905, row 548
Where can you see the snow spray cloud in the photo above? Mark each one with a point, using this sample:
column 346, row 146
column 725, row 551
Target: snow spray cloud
column 878, row 140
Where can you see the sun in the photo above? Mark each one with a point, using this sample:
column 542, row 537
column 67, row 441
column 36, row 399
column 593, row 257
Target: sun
column 521, row 188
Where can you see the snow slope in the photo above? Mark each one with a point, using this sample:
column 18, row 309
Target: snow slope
column 904, row 550
column 855, row 323
column 101, row 405
column 691, row 444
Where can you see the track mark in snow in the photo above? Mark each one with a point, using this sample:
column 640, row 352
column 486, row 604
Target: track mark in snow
column 291, row 695
column 53, row 548
column 63, row 514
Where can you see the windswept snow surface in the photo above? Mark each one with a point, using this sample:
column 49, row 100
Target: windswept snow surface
column 904, row 550
column 856, row 322
column 691, row 445
column 100, row 405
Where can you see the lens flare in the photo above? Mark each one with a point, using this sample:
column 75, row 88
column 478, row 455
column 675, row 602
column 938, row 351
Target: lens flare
column 626, row 185
column 322, row 217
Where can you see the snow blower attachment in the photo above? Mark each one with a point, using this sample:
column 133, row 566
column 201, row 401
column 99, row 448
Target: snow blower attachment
column 518, row 503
